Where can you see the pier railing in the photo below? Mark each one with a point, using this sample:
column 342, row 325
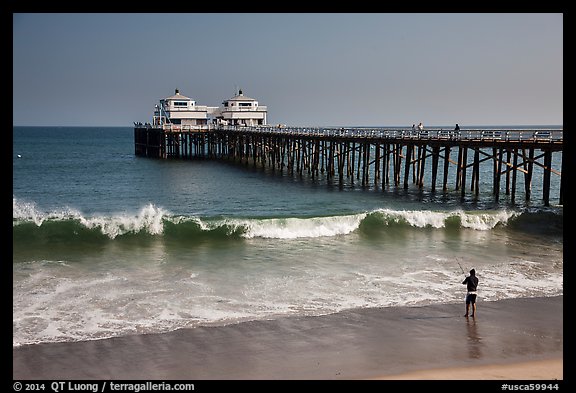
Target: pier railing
column 484, row 135
column 554, row 136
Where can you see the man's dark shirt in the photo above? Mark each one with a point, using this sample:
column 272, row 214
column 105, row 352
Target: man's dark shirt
column 472, row 283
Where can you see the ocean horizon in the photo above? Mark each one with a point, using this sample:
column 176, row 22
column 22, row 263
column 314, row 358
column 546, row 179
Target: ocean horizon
column 449, row 126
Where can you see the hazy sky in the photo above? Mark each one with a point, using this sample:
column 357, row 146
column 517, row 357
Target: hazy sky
column 309, row 69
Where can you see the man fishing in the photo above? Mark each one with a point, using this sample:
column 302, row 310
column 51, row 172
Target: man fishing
column 471, row 282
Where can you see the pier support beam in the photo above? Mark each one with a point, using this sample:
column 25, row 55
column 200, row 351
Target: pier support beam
column 321, row 154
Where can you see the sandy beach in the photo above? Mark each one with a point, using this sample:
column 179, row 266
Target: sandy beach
column 516, row 339
column 549, row 369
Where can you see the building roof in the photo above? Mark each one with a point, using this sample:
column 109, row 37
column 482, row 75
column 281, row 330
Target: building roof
column 178, row 96
column 241, row 97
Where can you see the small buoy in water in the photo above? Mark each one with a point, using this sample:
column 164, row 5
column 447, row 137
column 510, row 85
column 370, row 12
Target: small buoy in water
column 19, row 156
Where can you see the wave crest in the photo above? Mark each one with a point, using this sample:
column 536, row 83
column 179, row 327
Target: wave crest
column 149, row 220
column 480, row 221
column 156, row 221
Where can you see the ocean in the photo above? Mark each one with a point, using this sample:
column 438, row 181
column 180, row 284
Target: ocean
column 107, row 244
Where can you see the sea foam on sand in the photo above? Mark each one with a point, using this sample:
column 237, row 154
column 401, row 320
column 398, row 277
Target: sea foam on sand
column 353, row 344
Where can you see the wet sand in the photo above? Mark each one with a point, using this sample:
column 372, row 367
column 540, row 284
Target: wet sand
column 430, row 342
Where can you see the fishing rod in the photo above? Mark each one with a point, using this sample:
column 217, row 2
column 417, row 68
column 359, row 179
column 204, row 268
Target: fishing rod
column 461, row 268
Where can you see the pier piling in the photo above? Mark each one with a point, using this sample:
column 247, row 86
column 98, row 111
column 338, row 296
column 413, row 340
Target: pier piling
column 370, row 156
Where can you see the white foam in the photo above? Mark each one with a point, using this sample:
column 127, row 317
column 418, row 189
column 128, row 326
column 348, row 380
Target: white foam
column 418, row 218
column 293, row 228
column 437, row 219
column 486, row 221
column 149, row 219
column 28, row 211
column 95, row 305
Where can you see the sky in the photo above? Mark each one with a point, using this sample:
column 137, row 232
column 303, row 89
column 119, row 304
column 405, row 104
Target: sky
column 317, row 69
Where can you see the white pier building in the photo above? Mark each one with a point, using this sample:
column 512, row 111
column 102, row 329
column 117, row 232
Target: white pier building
column 182, row 112
column 242, row 110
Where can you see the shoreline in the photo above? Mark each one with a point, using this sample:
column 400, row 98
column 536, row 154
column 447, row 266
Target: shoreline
column 423, row 342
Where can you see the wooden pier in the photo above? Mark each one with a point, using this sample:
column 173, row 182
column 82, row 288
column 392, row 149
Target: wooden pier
column 382, row 157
